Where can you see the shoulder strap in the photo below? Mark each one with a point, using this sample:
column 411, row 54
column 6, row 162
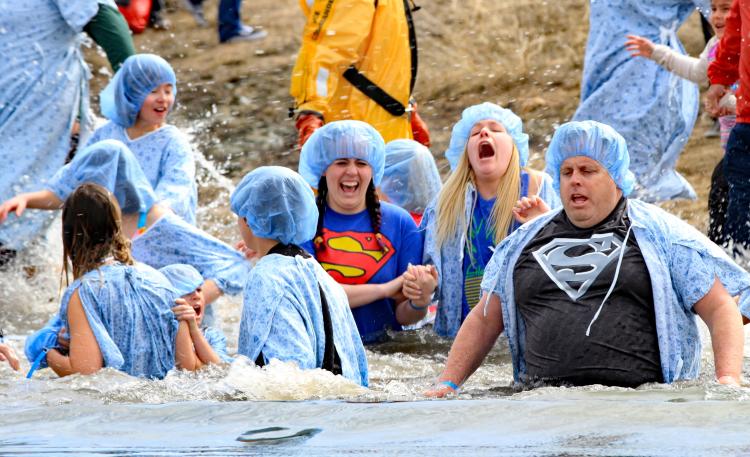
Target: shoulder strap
column 331, row 359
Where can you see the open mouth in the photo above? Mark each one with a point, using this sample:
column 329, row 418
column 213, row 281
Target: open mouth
column 578, row 199
column 160, row 110
column 486, row 150
column 349, row 187
column 198, row 310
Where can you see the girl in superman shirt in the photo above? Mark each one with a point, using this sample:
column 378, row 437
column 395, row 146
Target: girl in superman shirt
column 372, row 248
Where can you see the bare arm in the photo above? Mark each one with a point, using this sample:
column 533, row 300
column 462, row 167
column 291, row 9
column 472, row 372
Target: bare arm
column 7, row 353
column 85, row 357
column 476, row 337
column 203, row 350
column 720, row 313
column 364, row 294
column 210, row 291
column 185, row 357
column 43, row 199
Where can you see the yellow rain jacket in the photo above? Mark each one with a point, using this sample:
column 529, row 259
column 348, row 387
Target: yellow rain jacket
column 358, row 61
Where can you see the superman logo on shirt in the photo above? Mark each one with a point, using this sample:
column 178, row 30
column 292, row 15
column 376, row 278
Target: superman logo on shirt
column 353, row 257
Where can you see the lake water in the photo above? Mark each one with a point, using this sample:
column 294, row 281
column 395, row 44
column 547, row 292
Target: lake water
column 280, row 410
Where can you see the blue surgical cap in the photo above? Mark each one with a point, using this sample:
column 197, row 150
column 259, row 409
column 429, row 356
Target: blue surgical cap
column 342, row 140
column 184, row 278
column 481, row 112
column 110, row 164
column 277, row 204
column 122, row 99
column 594, row 140
column 411, row 178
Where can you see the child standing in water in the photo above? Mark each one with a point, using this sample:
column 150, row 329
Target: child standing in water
column 696, row 70
column 209, row 345
column 137, row 102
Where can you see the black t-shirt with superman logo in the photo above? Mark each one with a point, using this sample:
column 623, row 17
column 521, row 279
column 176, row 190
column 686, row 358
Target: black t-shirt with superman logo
column 560, row 280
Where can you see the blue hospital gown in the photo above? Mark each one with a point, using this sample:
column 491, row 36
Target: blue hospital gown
column 129, row 309
column 682, row 263
column 172, row 240
column 449, row 258
column 218, row 342
column 43, row 88
column 166, row 159
column 282, row 316
column 654, row 110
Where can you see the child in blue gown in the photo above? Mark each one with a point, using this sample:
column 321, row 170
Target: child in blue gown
column 159, row 237
column 137, row 102
column 209, row 343
column 292, row 309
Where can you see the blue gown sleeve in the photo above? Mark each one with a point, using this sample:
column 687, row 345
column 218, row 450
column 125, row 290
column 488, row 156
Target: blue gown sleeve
column 218, row 342
column 176, row 187
column 77, row 13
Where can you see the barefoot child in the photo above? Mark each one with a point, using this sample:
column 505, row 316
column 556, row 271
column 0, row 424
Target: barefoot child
column 209, row 343
column 137, row 102
column 293, row 310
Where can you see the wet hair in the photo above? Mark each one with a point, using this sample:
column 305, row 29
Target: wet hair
column 372, row 203
column 92, row 230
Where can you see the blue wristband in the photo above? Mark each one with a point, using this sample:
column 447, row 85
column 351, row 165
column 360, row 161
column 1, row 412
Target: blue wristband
column 418, row 308
column 450, row 384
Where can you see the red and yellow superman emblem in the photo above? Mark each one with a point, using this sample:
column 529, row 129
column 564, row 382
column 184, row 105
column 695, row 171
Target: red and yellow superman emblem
column 353, row 257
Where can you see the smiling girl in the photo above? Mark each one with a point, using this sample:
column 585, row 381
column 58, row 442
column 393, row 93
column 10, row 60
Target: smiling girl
column 372, row 248
column 488, row 153
column 137, row 102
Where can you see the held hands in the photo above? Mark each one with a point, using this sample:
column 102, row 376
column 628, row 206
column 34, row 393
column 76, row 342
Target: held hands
column 420, row 282
column 711, row 102
column 528, row 208
column 184, row 312
column 16, row 204
column 639, row 46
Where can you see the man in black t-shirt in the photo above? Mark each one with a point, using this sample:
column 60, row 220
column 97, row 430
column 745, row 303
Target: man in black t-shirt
column 605, row 291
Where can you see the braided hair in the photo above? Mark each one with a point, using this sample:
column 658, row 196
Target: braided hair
column 372, row 203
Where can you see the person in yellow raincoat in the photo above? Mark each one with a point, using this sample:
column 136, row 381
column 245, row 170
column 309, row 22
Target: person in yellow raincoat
column 358, row 61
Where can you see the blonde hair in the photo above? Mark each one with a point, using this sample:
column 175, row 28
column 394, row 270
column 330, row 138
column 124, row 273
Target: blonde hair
column 451, row 203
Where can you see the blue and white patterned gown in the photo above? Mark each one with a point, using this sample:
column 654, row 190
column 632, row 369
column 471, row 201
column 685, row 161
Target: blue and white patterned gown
column 43, row 88
column 166, row 159
column 683, row 265
column 654, row 110
column 129, row 309
column 282, row 316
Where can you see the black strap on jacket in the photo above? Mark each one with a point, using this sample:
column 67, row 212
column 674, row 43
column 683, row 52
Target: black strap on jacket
column 375, row 92
column 331, row 359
